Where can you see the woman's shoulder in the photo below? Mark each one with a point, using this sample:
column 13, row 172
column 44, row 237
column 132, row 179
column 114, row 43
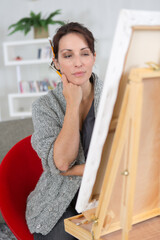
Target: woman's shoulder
column 98, row 83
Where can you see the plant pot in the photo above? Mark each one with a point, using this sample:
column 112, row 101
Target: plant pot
column 40, row 33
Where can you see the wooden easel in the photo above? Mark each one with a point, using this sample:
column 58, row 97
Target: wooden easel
column 142, row 91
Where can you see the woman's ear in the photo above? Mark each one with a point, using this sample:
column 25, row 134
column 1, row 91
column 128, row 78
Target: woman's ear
column 56, row 63
column 94, row 57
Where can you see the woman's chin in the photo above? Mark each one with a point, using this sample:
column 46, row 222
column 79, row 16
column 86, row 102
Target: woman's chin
column 79, row 81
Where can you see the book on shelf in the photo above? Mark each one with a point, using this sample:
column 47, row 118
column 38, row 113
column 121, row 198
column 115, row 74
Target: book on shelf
column 37, row 86
column 44, row 53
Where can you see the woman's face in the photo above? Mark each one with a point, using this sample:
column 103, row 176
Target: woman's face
column 75, row 58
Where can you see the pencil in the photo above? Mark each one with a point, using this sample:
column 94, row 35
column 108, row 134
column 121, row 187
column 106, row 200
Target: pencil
column 51, row 46
column 55, row 70
column 54, row 57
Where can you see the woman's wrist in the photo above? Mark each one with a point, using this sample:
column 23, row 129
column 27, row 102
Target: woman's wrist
column 76, row 170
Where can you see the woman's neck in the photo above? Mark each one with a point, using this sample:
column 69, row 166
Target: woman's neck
column 87, row 90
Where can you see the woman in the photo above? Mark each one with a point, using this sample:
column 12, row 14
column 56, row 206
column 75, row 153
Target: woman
column 63, row 123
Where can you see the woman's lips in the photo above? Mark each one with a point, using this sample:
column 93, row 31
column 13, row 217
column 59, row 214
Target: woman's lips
column 79, row 74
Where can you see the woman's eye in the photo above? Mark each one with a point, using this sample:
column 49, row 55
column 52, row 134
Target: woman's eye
column 67, row 56
column 85, row 54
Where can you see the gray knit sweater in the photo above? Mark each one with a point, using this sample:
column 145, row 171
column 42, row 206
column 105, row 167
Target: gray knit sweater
column 53, row 192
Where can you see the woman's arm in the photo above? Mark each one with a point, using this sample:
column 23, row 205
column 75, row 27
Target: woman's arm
column 66, row 146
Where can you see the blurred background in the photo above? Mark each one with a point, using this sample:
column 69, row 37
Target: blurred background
column 100, row 16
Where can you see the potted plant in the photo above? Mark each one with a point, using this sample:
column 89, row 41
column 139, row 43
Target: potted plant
column 36, row 21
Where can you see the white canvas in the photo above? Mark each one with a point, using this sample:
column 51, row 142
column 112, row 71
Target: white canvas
column 123, row 33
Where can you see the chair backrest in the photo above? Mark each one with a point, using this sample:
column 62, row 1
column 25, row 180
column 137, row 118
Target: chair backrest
column 19, row 173
column 12, row 131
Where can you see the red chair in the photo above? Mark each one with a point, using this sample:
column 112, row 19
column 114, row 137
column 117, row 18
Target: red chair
column 19, row 173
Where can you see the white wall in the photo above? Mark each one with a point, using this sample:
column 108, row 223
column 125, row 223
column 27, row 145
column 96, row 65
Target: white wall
column 100, row 16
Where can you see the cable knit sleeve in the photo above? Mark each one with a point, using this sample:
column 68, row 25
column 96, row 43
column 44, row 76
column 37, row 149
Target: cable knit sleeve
column 47, row 119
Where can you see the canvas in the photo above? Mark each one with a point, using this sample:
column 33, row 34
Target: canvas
column 136, row 42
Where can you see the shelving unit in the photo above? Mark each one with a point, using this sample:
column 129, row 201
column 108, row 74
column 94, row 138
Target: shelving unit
column 20, row 103
column 28, row 53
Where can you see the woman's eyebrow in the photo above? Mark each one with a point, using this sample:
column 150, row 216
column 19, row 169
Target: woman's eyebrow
column 85, row 48
column 70, row 50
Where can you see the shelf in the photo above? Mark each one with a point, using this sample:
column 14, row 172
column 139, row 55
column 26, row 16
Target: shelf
column 20, row 103
column 27, row 62
column 25, row 95
column 26, row 42
column 21, row 115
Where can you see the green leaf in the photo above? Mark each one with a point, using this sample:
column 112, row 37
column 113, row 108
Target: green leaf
column 19, row 23
column 43, row 23
column 56, row 22
column 38, row 17
column 18, row 28
column 28, row 28
column 33, row 15
column 23, row 20
column 57, row 12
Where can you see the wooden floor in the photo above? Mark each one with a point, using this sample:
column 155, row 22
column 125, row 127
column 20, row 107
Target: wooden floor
column 147, row 230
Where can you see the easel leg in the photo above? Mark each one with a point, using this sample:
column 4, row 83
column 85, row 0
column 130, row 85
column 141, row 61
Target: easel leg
column 131, row 164
column 112, row 167
column 125, row 235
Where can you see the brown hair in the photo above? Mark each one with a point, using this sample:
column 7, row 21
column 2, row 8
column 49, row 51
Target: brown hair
column 73, row 27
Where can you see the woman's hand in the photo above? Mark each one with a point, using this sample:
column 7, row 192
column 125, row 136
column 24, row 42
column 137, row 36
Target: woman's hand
column 76, row 170
column 71, row 92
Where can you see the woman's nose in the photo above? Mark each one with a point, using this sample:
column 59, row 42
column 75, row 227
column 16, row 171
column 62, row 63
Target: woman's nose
column 78, row 61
